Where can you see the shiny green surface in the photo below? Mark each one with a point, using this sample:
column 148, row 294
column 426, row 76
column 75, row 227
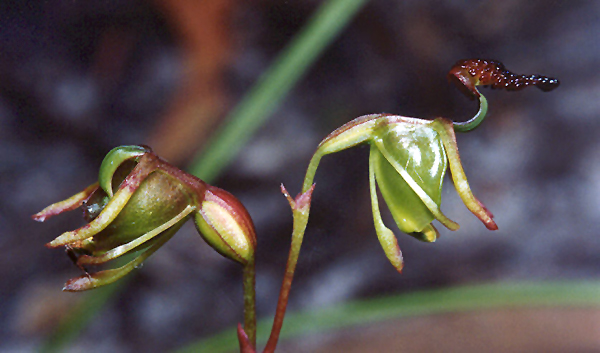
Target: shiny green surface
column 158, row 199
column 111, row 163
column 386, row 237
column 419, row 150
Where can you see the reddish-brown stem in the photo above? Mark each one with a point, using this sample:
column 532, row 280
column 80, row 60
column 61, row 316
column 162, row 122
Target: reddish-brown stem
column 245, row 346
column 284, row 294
column 250, row 303
column 300, row 208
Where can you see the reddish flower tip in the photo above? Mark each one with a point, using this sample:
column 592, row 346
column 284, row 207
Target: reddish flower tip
column 491, row 225
column 287, row 195
column 78, row 284
column 303, row 200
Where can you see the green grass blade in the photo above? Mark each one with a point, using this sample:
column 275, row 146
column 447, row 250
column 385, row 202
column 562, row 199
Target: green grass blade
column 80, row 316
column 454, row 299
column 274, row 84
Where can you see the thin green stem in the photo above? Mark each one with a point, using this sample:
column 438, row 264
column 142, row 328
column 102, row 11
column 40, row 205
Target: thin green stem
column 476, row 120
column 311, row 170
column 249, row 278
column 300, row 216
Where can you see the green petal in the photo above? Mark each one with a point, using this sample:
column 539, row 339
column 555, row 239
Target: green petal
column 112, row 161
column 445, row 128
column 95, row 280
column 158, row 199
column 112, row 209
column 69, row 204
column 413, row 197
column 385, row 235
column 123, row 249
column 108, row 214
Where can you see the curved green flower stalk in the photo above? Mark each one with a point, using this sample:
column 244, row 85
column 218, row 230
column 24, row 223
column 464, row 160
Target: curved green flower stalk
column 137, row 205
column 408, row 159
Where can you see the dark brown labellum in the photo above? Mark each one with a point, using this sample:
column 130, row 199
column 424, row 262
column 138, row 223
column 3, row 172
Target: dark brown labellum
column 491, row 73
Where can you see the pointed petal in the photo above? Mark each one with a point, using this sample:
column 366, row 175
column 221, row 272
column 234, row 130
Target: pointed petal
column 69, row 204
column 108, row 214
column 112, row 208
column 98, row 279
column 445, row 128
column 123, row 249
column 429, row 203
column 385, row 235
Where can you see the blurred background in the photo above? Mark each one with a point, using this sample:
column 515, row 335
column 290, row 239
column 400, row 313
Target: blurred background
column 78, row 78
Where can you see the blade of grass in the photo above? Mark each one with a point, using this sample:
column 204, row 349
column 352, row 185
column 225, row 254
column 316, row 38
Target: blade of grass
column 246, row 118
column 274, row 84
column 454, row 299
column 79, row 317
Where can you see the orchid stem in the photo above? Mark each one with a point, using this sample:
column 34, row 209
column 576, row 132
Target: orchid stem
column 284, row 293
column 300, row 209
column 476, row 120
column 312, row 170
column 250, row 301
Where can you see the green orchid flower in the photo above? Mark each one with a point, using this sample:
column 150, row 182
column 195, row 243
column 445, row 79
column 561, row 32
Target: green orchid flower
column 409, row 156
column 408, row 160
column 137, row 205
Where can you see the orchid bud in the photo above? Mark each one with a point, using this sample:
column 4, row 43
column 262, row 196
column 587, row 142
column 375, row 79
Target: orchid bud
column 226, row 225
column 138, row 204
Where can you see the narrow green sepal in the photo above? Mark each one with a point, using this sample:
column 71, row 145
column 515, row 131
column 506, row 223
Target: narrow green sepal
column 386, row 237
column 102, row 278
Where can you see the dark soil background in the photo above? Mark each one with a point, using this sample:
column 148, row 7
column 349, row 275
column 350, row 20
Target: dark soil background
column 78, row 78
